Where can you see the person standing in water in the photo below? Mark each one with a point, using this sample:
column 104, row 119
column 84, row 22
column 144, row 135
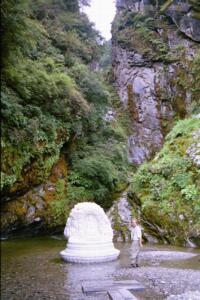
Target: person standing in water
column 136, row 238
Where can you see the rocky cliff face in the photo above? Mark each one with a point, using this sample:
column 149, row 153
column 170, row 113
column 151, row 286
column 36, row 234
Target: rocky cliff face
column 155, row 57
column 154, row 45
column 164, row 193
column 186, row 17
column 185, row 14
column 120, row 217
column 33, row 211
column 166, row 190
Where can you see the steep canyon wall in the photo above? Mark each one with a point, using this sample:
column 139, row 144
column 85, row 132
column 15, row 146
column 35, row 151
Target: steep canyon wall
column 153, row 51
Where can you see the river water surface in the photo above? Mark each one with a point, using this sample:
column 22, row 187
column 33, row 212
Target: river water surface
column 32, row 269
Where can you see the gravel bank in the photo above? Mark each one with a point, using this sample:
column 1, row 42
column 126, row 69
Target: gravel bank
column 164, row 281
column 181, row 280
column 32, row 270
column 185, row 296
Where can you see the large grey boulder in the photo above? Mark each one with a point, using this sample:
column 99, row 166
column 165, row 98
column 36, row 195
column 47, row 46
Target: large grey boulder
column 185, row 18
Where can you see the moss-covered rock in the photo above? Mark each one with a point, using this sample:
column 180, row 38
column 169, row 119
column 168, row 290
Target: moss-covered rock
column 54, row 103
column 120, row 216
column 42, row 207
column 168, row 187
column 156, row 71
column 133, row 30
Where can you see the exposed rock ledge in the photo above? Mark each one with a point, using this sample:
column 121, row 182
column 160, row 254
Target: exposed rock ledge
column 153, row 89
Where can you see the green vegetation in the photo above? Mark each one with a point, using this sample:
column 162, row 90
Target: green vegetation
column 58, row 146
column 140, row 32
column 169, row 186
column 196, row 83
column 121, row 229
column 185, row 82
column 165, row 5
column 148, row 33
column 53, row 103
column 58, row 209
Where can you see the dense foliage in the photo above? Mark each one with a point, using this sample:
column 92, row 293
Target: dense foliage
column 52, row 103
column 59, row 143
column 168, row 187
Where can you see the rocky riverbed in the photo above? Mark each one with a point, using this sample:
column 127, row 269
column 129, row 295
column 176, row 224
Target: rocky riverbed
column 32, row 269
column 165, row 282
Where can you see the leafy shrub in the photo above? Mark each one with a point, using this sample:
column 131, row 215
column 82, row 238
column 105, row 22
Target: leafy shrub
column 168, row 186
column 53, row 104
column 91, row 86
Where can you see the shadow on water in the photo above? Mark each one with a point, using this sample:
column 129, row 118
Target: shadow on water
column 32, row 269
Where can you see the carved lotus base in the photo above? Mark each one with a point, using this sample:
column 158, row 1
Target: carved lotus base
column 89, row 252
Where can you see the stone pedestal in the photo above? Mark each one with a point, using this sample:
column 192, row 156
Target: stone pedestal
column 89, row 235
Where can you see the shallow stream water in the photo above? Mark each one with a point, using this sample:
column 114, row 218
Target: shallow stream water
column 32, row 269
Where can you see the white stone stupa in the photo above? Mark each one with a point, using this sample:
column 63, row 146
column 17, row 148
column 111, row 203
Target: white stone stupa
column 89, row 234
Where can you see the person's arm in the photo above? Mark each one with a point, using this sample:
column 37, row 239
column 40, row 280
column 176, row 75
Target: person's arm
column 140, row 239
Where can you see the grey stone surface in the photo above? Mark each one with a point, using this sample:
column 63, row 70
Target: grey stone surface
column 93, row 286
column 136, row 5
column 194, row 150
column 194, row 295
column 147, row 87
column 181, row 12
column 185, row 18
column 121, row 295
column 165, row 281
column 121, row 212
